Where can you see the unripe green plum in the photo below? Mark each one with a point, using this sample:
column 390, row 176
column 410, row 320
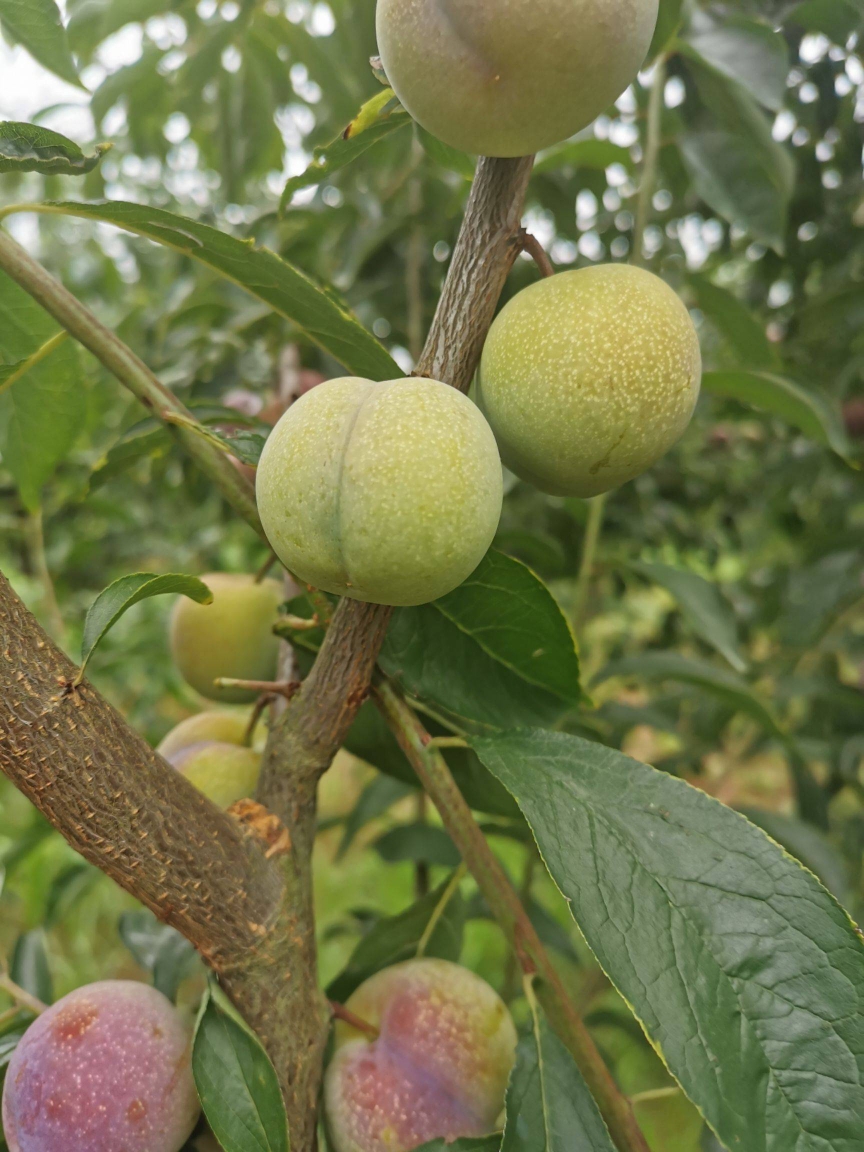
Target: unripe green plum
column 589, row 377
column 385, row 492
column 438, row 1068
column 509, row 77
column 232, row 637
column 106, row 1068
column 225, row 773
column 205, row 727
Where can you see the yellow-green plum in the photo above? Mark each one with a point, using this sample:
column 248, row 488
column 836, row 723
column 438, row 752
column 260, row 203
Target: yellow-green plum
column 385, row 492
column 509, row 77
column 223, row 772
column 205, row 727
column 231, row 637
column 106, row 1068
column 438, row 1068
column 589, row 377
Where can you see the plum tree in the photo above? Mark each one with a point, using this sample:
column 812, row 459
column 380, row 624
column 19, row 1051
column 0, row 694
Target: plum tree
column 509, row 79
column 589, row 377
column 384, row 492
column 106, row 1068
column 213, row 725
column 446, row 1044
column 223, row 772
column 232, row 637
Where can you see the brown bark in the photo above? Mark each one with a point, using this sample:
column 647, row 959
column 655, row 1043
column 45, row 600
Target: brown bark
column 218, row 879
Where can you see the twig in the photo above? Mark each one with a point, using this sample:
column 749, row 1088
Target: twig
column 652, row 156
column 447, row 742
column 593, row 527
column 340, row 1012
column 537, row 252
column 286, row 688
column 441, row 907
column 265, row 567
column 493, row 882
column 20, row 995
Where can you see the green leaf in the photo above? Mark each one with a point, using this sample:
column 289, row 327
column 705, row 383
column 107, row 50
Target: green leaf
column 668, row 23
column 420, row 843
column 818, row 594
column 742, row 331
column 811, row 413
column 746, row 974
column 377, row 119
column 549, row 1106
column 29, row 965
column 737, row 167
column 375, row 799
column 36, row 24
column 236, row 1082
column 42, row 403
column 30, row 148
column 574, row 154
column 118, row 597
column 496, row 652
column 92, row 21
column 743, row 50
column 725, row 685
column 811, row 847
column 703, row 605
column 838, row 19
column 160, row 950
column 445, row 156
column 438, row 921
column 262, row 273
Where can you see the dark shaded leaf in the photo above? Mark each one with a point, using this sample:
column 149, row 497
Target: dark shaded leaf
column 744, row 50
column 819, row 594
column 160, row 950
column 375, row 799
column 743, row 332
column 29, row 965
column 420, row 843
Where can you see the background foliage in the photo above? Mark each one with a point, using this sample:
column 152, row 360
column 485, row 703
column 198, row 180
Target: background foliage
column 720, row 619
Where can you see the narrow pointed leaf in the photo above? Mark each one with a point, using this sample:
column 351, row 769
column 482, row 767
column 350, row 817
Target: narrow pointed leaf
column 549, row 1106
column 118, row 597
column 236, row 1082
column 261, row 272
column 36, row 24
column 744, row 971
column 31, row 148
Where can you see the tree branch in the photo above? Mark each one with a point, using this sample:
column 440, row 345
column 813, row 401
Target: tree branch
column 215, row 878
column 132, row 372
column 494, row 883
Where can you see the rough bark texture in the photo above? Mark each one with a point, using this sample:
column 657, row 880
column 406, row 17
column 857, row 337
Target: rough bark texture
column 488, row 245
column 217, row 878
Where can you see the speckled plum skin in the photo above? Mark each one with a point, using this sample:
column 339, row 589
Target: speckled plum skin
column 224, row 772
column 106, row 1069
column 509, row 77
column 438, row 1069
column 589, row 377
column 231, row 637
column 385, row 492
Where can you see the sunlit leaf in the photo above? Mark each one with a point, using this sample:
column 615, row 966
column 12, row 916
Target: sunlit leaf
column 31, row 148
column 37, row 25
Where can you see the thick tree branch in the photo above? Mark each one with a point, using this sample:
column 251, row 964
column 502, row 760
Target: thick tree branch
column 119, row 359
column 217, row 879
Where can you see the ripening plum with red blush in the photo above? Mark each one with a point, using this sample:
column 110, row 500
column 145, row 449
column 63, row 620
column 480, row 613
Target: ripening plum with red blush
column 106, row 1069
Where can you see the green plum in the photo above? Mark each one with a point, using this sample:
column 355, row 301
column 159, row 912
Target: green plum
column 446, row 1046
column 385, row 492
column 205, row 727
column 223, row 772
column 232, row 637
column 509, row 77
column 589, row 377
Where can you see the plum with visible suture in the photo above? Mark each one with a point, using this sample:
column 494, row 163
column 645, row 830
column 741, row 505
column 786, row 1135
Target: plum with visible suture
column 445, row 1047
column 232, row 637
column 224, row 772
column 384, row 492
column 108, row 1067
column 589, row 377
column 509, row 77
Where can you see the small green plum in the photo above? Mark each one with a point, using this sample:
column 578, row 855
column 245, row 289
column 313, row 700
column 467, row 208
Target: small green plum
column 232, row 637
column 509, row 77
column 445, row 1048
column 385, row 492
column 205, row 727
column 589, row 377
column 225, row 773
